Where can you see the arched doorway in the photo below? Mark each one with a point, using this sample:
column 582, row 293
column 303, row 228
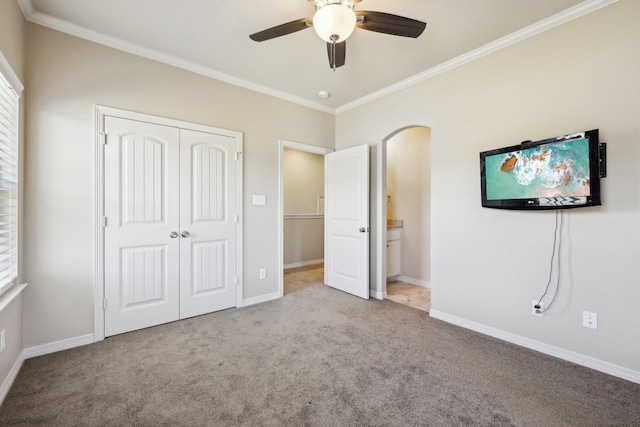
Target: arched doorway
column 407, row 197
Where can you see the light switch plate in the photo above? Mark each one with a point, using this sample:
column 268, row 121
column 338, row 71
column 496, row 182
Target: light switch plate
column 259, row 199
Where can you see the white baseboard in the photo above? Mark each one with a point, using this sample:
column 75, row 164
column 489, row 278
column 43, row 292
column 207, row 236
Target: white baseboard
column 304, row 263
column 257, row 300
column 413, row 281
column 377, row 295
column 53, row 347
column 560, row 353
column 9, row 380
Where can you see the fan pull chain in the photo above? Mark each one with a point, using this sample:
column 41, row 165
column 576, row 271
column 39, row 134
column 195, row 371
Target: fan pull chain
column 334, row 39
column 333, row 55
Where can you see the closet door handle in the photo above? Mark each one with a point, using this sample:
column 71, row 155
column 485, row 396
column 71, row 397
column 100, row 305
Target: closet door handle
column 185, row 234
column 173, row 234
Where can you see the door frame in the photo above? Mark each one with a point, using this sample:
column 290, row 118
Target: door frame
column 293, row 146
column 100, row 139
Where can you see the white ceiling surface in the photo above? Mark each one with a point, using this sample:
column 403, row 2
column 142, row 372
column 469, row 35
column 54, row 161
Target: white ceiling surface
column 211, row 37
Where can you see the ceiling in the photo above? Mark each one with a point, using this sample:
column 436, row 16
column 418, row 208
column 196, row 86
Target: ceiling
column 211, row 37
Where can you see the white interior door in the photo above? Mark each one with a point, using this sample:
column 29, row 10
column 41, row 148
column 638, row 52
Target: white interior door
column 208, row 222
column 141, row 259
column 347, row 220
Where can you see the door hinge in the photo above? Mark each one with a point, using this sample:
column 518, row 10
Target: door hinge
column 235, row 280
column 104, row 304
column 237, row 218
column 104, row 221
column 104, row 137
column 238, row 155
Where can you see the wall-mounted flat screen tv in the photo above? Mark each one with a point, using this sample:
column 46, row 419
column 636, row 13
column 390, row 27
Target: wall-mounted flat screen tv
column 555, row 173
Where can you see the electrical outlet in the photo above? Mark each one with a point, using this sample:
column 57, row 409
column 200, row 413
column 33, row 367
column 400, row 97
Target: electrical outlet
column 263, row 273
column 590, row 320
column 537, row 311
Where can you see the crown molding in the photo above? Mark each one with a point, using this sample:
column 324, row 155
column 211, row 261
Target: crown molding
column 27, row 8
column 114, row 42
column 556, row 20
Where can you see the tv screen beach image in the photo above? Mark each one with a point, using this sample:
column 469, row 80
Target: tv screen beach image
column 559, row 169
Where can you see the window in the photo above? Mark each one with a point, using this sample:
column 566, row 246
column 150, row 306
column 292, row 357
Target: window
column 9, row 124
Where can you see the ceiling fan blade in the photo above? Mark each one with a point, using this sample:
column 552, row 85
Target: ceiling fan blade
column 390, row 24
column 281, row 30
column 337, row 54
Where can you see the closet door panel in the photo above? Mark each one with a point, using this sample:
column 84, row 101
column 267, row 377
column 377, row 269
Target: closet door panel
column 141, row 258
column 208, row 213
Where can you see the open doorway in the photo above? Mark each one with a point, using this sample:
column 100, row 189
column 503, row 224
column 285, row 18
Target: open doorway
column 408, row 197
column 301, row 234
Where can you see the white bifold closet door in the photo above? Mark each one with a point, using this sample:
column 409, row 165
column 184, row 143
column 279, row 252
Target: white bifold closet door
column 171, row 218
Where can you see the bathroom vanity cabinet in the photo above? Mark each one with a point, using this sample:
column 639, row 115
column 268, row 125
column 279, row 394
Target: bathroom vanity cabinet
column 394, row 236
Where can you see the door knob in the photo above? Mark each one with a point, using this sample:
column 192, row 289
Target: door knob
column 173, row 234
column 364, row 230
column 185, row 234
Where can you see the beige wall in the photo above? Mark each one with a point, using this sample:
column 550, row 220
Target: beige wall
column 303, row 177
column 12, row 43
column 303, row 180
column 66, row 78
column 488, row 265
column 409, row 190
column 12, row 36
column 303, row 241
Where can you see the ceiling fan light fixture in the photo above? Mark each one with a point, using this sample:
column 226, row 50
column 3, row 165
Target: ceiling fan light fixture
column 334, row 22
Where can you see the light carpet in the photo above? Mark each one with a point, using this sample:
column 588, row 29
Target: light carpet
column 316, row 357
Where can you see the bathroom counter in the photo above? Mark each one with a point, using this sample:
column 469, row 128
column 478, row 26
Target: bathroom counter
column 394, row 223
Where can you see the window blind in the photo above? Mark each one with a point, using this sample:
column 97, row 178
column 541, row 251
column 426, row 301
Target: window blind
column 9, row 119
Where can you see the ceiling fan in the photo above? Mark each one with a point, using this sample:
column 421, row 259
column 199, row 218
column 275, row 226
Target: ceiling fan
column 335, row 20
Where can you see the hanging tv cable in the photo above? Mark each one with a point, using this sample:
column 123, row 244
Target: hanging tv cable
column 555, row 255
